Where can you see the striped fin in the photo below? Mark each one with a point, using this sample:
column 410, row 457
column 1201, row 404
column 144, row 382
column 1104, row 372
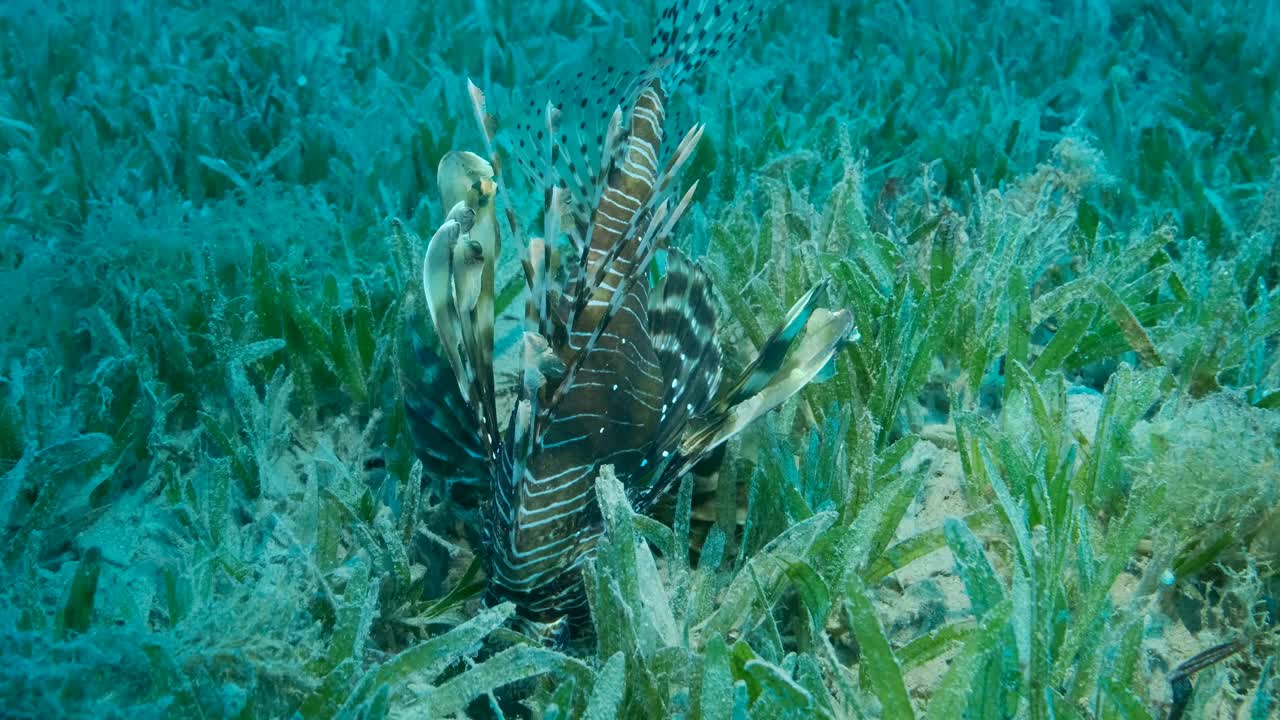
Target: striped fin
column 825, row 333
column 445, row 433
column 682, row 321
column 568, row 135
column 769, row 361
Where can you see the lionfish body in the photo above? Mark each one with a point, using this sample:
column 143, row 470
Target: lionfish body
column 612, row 371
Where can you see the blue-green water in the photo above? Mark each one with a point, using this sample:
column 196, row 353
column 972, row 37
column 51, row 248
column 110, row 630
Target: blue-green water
column 1038, row 477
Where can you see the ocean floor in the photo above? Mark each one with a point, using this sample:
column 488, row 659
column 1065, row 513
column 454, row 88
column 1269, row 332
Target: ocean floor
column 1036, row 475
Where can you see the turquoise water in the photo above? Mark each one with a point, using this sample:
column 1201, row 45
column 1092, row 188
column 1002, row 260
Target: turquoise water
column 1033, row 474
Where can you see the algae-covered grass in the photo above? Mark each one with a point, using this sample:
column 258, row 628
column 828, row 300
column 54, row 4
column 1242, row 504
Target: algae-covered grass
column 1043, row 478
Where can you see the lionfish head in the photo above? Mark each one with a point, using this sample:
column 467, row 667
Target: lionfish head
column 611, row 371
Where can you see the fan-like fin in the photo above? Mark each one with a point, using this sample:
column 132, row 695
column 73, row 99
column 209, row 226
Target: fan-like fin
column 559, row 131
column 692, row 32
column 774, row 351
column 445, row 433
column 682, row 324
column 825, row 332
column 770, row 384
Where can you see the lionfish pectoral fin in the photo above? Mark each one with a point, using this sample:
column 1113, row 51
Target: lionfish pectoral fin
column 825, row 332
column 445, row 434
column 774, row 350
column 682, row 327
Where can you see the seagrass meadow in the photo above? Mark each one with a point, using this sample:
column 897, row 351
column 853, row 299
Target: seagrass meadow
column 1038, row 478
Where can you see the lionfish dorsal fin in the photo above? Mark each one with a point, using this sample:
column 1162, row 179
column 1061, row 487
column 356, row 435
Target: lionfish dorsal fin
column 690, row 33
column 559, row 132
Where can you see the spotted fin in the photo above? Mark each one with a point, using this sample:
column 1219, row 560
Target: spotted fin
column 574, row 131
column 570, row 134
column 690, row 33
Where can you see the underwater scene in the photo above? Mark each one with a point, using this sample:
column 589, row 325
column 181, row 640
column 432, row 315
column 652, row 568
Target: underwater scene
column 642, row 359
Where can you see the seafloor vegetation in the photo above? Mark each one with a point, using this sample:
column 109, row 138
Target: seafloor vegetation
column 1044, row 479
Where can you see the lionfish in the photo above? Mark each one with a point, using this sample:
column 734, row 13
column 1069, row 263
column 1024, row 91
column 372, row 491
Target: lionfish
column 611, row 370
